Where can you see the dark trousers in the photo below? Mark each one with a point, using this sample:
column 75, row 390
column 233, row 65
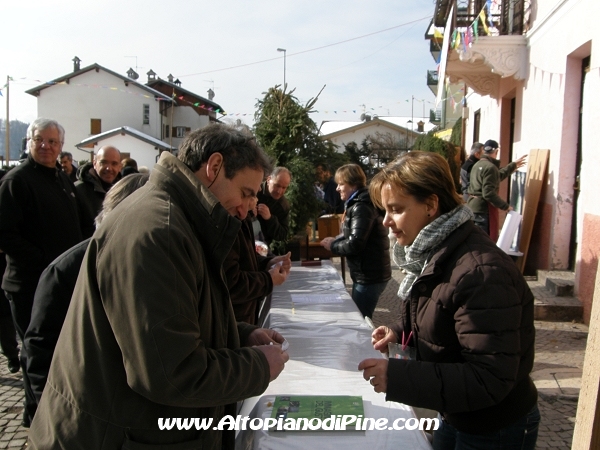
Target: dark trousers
column 521, row 435
column 482, row 221
column 8, row 334
column 20, row 307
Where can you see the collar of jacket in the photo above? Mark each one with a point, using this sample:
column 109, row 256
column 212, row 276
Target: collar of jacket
column 89, row 175
column 447, row 248
column 215, row 228
column 494, row 161
column 51, row 172
column 360, row 195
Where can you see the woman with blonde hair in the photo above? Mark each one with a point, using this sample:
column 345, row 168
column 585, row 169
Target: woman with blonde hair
column 364, row 240
column 466, row 314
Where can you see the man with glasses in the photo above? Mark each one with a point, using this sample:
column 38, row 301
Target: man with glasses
column 38, row 221
column 95, row 180
column 273, row 209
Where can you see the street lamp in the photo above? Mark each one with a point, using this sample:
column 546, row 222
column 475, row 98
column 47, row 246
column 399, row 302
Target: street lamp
column 284, row 53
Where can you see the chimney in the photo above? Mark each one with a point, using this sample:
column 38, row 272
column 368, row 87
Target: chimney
column 170, row 78
column 151, row 75
column 420, row 125
column 76, row 62
column 211, row 94
column 177, row 82
column 132, row 74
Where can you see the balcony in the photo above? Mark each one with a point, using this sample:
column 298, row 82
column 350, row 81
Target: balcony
column 432, row 80
column 484, row 52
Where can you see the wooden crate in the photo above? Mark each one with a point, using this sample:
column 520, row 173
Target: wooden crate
column 329, row 226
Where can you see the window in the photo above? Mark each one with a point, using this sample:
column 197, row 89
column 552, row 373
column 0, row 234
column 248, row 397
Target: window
column 146, row 116
column 180, row 132
column 166, row 133
column 95, row 126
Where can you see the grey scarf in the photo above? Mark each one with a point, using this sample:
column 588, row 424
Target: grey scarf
column 413, row 258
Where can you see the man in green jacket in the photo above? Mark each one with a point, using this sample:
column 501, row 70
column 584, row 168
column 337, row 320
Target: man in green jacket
column 486, row 176
column 150, row 335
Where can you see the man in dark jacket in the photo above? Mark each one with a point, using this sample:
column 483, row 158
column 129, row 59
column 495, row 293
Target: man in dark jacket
column 38, row 221
column 94, row 182
column 273, row 209
column 333, row 202
column 250, row 276
column 152, row 334
column 486, row 176
column 465, row 170
column 66, row 162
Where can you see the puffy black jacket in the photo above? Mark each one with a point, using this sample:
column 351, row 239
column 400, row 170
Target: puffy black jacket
column 365, row 242
column 471, row 314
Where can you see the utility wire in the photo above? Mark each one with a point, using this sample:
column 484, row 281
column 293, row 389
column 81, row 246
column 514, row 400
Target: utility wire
column 305, row 51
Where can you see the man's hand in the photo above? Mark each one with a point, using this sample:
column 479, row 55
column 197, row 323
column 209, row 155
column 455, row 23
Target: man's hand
column 264, row 336
column 263, row 211
column 276, row 358
column 375, row 371
column 278, row 275
column 285, row 260
column 327, row 242
column 521, row 161
column 381, row 337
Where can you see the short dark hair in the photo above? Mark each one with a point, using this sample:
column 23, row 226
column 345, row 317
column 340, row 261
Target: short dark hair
column 67, row 154
column 239, row 149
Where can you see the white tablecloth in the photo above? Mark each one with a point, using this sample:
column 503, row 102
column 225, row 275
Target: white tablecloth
column 327, row 341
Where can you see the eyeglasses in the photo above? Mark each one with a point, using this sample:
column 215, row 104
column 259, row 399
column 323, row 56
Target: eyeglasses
column 38, row 141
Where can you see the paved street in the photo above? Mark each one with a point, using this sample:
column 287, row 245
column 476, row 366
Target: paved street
column 560, row 348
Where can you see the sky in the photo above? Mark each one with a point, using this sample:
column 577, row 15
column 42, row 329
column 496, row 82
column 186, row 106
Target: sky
column 366, row 56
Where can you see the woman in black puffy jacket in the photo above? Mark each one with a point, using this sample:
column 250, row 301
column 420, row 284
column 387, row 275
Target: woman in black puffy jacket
column 364, row 240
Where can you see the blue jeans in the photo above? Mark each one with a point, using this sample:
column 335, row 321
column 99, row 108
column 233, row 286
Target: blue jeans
column 521, row 435
column 366, row 296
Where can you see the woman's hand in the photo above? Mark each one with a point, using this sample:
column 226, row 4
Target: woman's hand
column 381, row 337
column 375, row 372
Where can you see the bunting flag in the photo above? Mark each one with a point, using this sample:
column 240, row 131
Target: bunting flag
column 483, row 24
column 437, row 34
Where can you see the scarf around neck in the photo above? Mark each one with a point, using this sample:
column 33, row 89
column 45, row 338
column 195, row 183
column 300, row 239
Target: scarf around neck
column 413, row 258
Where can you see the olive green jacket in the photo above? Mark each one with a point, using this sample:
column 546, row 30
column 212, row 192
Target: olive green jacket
column 485, row 182
column 150, row 332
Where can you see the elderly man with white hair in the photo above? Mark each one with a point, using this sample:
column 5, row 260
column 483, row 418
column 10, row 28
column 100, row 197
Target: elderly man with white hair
column 38, row 222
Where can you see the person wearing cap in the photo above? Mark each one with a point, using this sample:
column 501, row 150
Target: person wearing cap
column 486, row 176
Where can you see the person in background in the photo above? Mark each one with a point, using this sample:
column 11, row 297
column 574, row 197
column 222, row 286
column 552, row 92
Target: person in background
column 129, row 166
column 364, row 240
column 38, row 221
column 333, row 202
column 484, row 200
column 152, row 333
column 54, row 292
column 466, row 312
column 465, row 170
column 273, row 209
column 250, row 276
column 8, row 339
column 66, row 162
column 95, row 180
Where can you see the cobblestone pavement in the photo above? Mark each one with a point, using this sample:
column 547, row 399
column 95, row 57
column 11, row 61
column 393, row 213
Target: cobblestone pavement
column 560, row 348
